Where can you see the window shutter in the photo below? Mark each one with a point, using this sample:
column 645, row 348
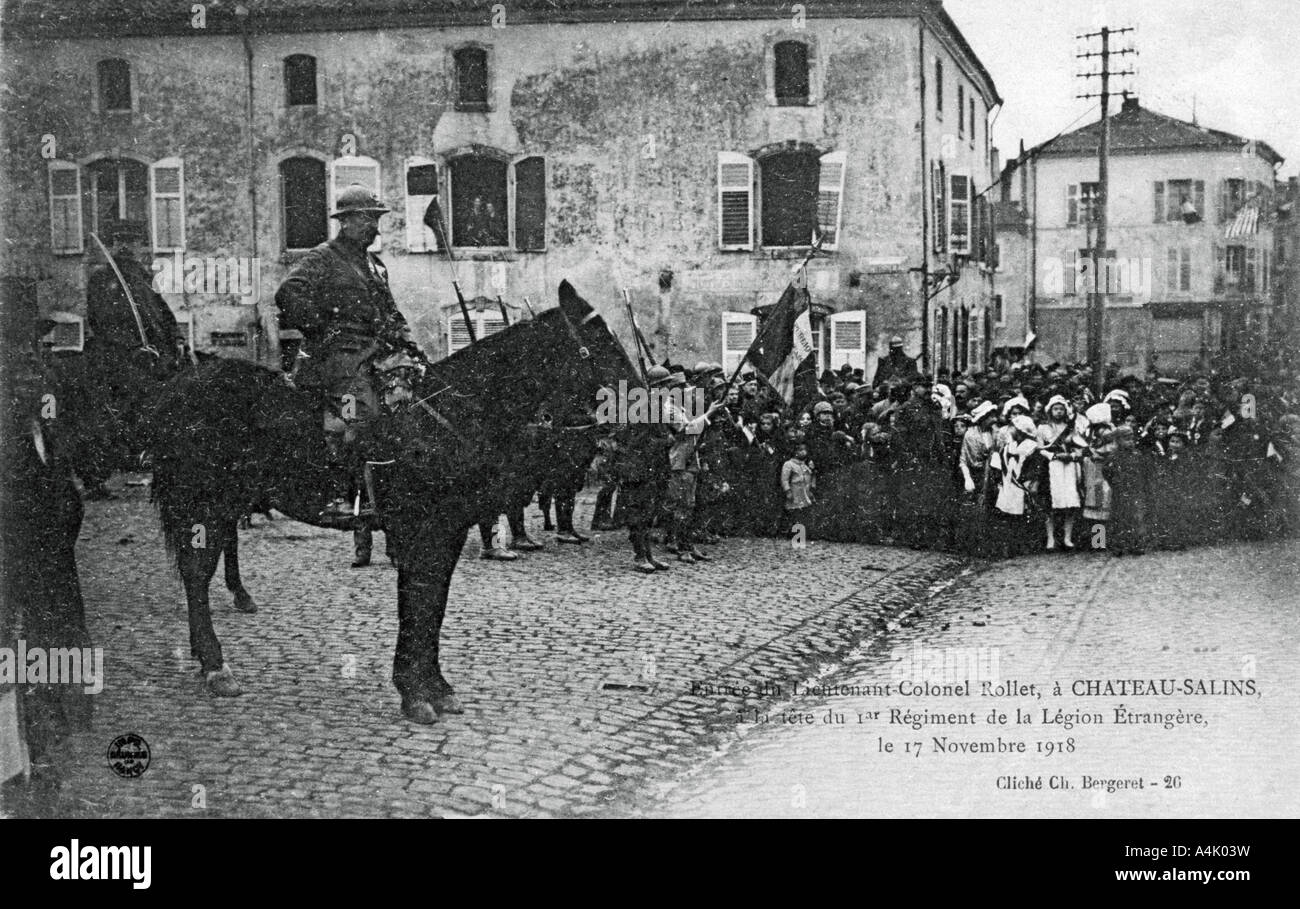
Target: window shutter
column 457, row 334
column 66, row 236
column 1248, row 279
column 1185, row 270
column 1072, row 203
column 939, row 196
column 735, row 201
column 738, row 331
column 1199, row 198
column 1160, row 201
column 849, row 339
column 1171, row 269
column 1224, row 200
column 959, row 216
column 530, row 203
column 421, row 189
column 167, row 194
column 830, row 197
column 346, row 171
column 1220, row 268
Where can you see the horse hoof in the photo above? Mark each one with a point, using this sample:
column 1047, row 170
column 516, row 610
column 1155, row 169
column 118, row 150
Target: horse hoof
column 449, row 703
column 421, row 712
column 244, row 603
column 222, row 684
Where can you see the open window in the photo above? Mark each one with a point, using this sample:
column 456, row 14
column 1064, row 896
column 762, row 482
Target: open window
column 300, row 80
column 959, row 215
column 119, row 191
column 471, row 66
column 480, row 197
column 304, row 199
column 113, row 86
column 790, row 74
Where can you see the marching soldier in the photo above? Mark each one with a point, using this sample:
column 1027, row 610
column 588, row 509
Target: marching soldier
column 641, row 465
column 338, row 297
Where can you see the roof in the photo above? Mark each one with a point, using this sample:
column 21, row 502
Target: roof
column 117, row 18
column 1138, row 130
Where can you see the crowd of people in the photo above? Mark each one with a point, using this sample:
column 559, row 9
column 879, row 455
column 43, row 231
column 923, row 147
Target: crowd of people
column 1016, row 458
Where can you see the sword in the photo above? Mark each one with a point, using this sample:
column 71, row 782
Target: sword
column 135, row 309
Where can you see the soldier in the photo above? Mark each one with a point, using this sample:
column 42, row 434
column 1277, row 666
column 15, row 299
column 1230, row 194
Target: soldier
column 134, row 344
column 684, row 467
column 641, row 465
column 897, row 365
column 338, row 297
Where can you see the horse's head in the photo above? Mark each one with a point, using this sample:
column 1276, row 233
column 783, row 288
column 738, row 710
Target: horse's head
column 606, row 362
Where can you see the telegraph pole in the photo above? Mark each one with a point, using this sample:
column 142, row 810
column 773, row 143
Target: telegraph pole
column 1097, row 296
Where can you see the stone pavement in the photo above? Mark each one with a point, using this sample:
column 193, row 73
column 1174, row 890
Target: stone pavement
column 577, row 674
column 1225, row 615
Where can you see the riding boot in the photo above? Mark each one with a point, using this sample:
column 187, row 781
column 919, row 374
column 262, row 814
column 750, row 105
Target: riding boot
column 650, row 555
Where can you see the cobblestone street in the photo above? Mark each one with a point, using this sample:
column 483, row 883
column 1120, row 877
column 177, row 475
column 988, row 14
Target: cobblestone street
column 530, row 646
column 590, row 689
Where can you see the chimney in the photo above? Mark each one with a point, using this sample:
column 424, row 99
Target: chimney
column 1130, row 103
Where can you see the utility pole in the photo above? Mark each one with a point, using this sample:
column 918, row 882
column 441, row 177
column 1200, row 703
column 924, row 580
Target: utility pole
column 1099, row 292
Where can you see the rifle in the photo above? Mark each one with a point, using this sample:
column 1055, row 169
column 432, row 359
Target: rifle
column 636, row 336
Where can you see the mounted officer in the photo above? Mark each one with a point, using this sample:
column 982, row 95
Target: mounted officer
column 337, row 295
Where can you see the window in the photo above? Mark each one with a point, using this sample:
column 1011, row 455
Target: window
column 167, row 192
column 300, row 80
column 119, row 191
column 849, row 339
column 1178, row 270
column 471, row 65
column 114, row 82
column 738, row 331
column 1179, row 200
column 530, row 204
column 1232, row 196
column 735, row 201
column 961, row 111
column 999, row 310
column 479, row 199
column 789, row 198
column 486, row 322
column 938, row 89
column 1092, row 276
column 959, row 215
column 790, row 75
column 1236, row 268
column 65, row 208
column 304, row 198
column 1083, row 203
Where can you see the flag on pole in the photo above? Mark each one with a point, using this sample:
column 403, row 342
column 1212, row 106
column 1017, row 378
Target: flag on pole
column 784, row 352
column 1246, row 223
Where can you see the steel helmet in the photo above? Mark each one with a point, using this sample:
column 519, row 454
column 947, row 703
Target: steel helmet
column 357, row 198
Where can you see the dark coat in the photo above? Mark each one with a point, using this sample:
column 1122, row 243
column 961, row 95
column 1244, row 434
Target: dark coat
column 111, row 321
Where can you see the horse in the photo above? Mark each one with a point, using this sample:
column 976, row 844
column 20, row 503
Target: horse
column 236, row 433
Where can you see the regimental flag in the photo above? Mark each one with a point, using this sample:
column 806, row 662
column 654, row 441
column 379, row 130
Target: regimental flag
column 783, row 351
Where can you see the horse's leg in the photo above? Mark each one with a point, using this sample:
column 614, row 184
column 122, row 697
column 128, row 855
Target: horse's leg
column 197, row 565
column 424, row 572
column 234, row 583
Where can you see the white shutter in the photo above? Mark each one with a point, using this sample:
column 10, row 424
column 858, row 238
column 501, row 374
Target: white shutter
column 738, row 331
column 830, row 197
column 346, row 171
column 959, row 215
column 849, row 340
column 457, row 333
column 167, row 204
column 735, row 201
column 66, row 237
column 488, row 325
column 419, row 238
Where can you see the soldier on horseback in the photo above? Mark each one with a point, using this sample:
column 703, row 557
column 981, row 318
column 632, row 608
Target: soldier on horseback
column 337, row 295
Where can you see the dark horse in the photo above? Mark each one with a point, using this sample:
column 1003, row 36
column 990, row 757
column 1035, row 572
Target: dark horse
column 234, row 434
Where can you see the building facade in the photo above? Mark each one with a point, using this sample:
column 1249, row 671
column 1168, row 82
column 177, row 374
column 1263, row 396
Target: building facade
column 687, row 155
column 1189, row 268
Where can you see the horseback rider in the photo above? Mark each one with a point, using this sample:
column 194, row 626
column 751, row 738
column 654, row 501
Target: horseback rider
column 337, row 295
